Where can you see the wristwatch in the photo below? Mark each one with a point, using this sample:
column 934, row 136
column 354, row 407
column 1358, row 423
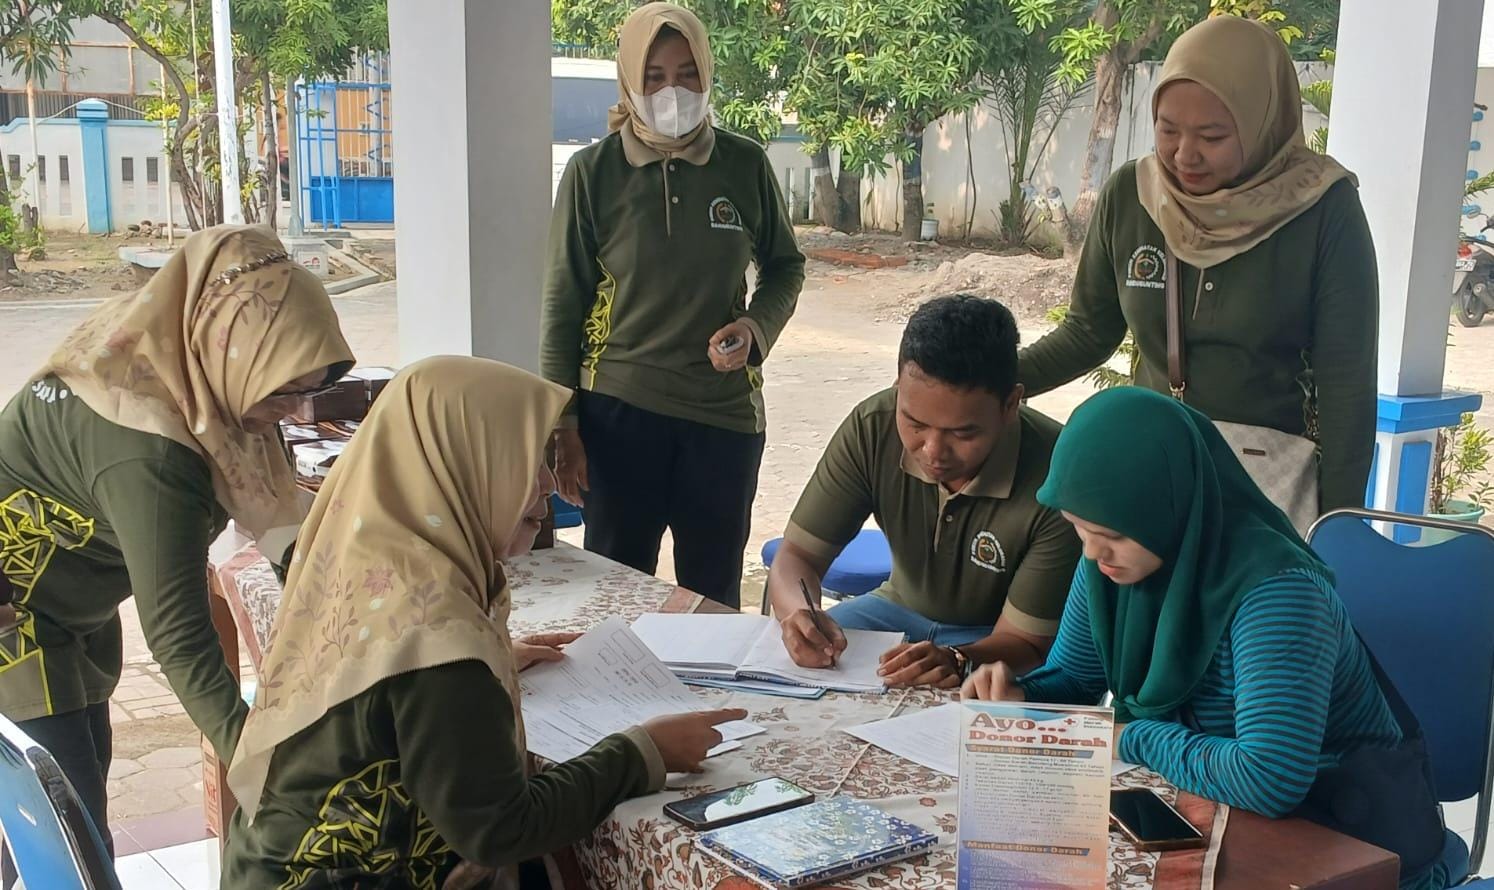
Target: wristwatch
column 963, row 664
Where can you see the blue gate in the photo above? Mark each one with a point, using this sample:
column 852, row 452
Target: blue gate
column 346, row 151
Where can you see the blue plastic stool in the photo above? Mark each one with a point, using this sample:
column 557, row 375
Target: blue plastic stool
column 862, row 566
column 567, row 515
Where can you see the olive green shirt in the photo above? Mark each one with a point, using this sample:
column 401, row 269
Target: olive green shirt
column 89, row 512
column 394, row 787
column 969, row 558
column 1264, row 331
column 648, row 259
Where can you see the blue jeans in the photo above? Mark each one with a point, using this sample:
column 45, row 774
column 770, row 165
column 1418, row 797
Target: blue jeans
column 872, row 612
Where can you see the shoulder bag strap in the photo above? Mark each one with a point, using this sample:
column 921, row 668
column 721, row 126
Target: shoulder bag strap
column 1176, row 372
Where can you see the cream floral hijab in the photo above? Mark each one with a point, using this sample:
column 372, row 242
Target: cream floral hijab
column 1246, row 65
column 397, row 566
column 227, row 321
column 633, row 44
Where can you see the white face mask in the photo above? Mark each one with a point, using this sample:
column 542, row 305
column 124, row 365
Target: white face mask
column 672, row 112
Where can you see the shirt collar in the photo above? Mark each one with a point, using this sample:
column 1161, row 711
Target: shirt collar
column 997, row 477
column 641, row 155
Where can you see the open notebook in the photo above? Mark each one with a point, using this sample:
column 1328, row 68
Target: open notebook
column 750, row 647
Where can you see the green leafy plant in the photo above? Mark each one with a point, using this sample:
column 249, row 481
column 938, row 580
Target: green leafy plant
column 1458, row 470
column 1106, row 377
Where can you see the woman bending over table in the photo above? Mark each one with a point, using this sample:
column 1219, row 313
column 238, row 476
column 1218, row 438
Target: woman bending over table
column 386, row 743
column 1237, row 675
column 121, row 460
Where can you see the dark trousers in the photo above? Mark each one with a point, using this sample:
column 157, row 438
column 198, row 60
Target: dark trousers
column 649, row 472
column 82, row 743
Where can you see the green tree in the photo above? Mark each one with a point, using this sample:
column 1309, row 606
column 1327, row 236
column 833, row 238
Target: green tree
column 1025, row 44
column 30, row 33
column 272, row 39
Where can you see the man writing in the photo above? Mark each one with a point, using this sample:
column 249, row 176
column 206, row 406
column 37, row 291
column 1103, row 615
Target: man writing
column 949, row 463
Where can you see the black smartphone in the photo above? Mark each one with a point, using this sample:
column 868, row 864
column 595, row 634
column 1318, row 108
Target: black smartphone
column 1150, row 822
column 733, row 805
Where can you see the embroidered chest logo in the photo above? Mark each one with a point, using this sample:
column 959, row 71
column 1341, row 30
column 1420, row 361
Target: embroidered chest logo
column 1147, row 268
column 986, row 552
column 724, row 215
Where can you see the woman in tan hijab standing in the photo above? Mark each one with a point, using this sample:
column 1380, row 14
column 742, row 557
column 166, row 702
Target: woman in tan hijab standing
column 647, row 317
column 151, row 425
column 1276, row 282
column 386, row 741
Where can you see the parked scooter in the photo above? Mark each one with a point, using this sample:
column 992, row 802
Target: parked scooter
column 1473, row 278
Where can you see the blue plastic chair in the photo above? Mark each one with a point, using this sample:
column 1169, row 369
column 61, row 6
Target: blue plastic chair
column 1427, row 612
column 567, row 514
column 862, row 566
column 53, row 842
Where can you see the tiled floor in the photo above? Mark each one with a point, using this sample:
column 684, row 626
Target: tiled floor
column 191, row 866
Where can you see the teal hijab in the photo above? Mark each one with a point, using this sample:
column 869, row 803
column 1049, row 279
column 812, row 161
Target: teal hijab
column 1158, row 472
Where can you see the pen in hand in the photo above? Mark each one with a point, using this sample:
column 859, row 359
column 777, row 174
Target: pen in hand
column 814, row 615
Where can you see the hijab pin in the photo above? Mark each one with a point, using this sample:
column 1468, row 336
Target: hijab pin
column 232, row 272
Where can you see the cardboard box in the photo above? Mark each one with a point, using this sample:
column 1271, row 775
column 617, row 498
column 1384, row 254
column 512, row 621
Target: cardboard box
column 345, row 400
column 315, row 459
column 300, row 433
column 377, row 377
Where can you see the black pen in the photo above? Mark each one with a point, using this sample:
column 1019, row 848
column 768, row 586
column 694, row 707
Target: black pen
column 814, row 615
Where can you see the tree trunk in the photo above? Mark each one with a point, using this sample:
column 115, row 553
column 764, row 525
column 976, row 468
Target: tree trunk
column 848, row 189
column 826, row 198
column 1110, row 83
column 272, row 149
column 913, row 186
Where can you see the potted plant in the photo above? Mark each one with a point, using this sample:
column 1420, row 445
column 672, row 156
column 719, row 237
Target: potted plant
column 1460, row 491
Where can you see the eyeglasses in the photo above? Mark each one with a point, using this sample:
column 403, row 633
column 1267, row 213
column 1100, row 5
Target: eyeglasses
column 306, row 393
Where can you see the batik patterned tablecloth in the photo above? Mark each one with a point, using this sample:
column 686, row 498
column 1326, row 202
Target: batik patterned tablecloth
column 638, row 848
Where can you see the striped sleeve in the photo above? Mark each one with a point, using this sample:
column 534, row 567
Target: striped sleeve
column 1072, row 675
column 1285, row 644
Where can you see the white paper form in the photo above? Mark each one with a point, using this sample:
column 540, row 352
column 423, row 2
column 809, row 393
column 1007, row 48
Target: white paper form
column 930, row 738
column 607, row 682
column 701, row 644
column 855, row 669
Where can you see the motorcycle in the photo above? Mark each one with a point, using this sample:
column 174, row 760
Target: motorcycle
column 1473, row 278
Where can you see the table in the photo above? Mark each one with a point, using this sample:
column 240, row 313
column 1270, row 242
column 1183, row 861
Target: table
column 569, row 589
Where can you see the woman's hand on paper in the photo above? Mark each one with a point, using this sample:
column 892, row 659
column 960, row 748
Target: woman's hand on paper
column 919, row 664
column 993, row 682
column 684, row 739
column 806, row 645
column 532, row 650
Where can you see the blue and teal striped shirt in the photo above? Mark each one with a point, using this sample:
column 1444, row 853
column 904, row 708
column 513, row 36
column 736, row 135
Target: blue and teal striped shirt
column 1290, row 690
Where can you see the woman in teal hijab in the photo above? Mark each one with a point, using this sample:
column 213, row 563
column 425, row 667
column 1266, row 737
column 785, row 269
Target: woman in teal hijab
column 1236, row 673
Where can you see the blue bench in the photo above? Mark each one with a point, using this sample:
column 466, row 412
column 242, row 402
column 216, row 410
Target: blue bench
column 862, row 566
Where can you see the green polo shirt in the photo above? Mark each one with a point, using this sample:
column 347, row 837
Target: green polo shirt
column 968, row 558
column 90, row 513
column 1294, row 316
column 648, row 259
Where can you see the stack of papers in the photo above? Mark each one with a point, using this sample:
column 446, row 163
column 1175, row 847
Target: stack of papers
column 746, row 652
column 931, row 738
column 607, row 682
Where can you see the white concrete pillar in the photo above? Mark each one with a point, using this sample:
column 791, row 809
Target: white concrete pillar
column 1402, row 111
column 472, row 170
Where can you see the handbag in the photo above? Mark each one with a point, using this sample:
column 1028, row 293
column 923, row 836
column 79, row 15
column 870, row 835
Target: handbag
column 1282, row 465
column 1384, row 796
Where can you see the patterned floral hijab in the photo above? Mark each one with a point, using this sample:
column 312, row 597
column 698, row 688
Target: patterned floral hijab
column 225, row 323
column 1246, row 65
column 397, row 568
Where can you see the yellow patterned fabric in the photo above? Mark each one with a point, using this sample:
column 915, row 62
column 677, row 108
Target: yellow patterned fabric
column 32, row 529
column 397, row 567
column 359, row 820
column 227, row 321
